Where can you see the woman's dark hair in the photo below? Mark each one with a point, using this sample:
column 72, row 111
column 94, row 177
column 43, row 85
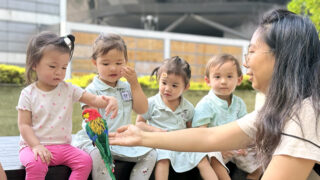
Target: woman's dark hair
column 39, row 43
column 294, row 42
column 174, row 65
column 106, row 42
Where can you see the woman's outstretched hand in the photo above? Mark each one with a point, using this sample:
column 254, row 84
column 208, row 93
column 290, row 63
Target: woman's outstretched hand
column 128, row 135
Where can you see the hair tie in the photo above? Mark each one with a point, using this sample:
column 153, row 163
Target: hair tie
column 69, row 41
column 71, row 37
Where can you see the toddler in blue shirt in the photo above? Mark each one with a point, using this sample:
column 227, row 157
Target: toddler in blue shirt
column 221, row 106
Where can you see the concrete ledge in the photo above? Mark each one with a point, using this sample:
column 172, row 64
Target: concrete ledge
column 9, row 158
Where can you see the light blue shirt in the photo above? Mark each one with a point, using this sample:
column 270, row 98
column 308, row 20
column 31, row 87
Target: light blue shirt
column 213, row 111
column 123, row 117
column 161, row 116
column 122, row 93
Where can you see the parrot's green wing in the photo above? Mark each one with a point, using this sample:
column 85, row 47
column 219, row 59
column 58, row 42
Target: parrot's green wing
column 90, row 133
column 106, row 142
column 102, row 143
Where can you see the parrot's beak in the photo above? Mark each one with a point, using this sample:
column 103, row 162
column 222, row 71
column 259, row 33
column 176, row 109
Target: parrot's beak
column 86, row 117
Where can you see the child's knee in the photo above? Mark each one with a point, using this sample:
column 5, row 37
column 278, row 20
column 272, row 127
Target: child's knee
column 152, row 156
column 83, row 165
column 83, row 161
column 163, row 162
column 214, row 161
column 37, row 167
column 204, row 162
column 86, row 160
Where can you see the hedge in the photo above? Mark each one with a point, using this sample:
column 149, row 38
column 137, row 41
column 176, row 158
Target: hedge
column 10, row 74
column 151, row 83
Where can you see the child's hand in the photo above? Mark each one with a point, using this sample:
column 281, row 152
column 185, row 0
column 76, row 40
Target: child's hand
column 43, row 152
column 130, row 74
column 242, row 152
column 112, row 106
column 228, row 154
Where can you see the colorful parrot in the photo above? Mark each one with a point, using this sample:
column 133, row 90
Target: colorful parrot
column 97, row 131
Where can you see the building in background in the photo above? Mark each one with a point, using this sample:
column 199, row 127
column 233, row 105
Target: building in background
column 147, row 49
column 219, row 18
column 19, row 20
column 153, row 29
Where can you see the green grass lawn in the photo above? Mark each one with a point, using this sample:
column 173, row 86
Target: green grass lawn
column 9, row 96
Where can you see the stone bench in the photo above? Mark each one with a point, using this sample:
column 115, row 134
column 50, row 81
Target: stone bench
column 9, row 158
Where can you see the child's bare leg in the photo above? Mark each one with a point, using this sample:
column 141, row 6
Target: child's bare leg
column 219, row 169
column 206, row 172
column 255, row 175
column 162, row 169
column 2, row 173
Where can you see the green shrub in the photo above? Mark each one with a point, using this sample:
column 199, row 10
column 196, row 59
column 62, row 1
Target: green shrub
column 148, row 82
column 81, row 81
column 15, row 75
column 151, row 82
column 10, row 74
column 199, row 86
column 245, row 84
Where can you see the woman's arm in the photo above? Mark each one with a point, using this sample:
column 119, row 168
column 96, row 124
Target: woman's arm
column 203, row 126
column 109, row 103
column 288, row 167
column 225, row 137
column 139, row 99
column 225, row 154
column 141, row 123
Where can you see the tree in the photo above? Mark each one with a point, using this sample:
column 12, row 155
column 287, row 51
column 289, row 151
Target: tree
column 310, row 8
